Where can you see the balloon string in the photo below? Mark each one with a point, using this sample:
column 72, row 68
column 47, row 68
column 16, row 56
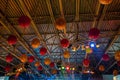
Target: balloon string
column 24, row 31
column 65, row 34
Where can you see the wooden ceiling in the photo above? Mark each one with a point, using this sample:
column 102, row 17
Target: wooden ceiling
column 80, row 15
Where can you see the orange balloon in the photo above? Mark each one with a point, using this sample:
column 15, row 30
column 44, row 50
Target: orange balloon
column 117, row 55
column 47, row 61
column 66, row 54
column 35, row 43
column 115, row 72
column 37, row 63
column 105, row 2
column 60, row 23
column 24, row 58
column 101, row 68
column 54, row 71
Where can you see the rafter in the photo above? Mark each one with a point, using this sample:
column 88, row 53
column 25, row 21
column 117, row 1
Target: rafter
column 11, row 29
column 109, row 45
column 77, row 15
column 25, row 11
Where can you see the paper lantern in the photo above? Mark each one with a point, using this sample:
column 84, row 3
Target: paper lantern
column 24, row 21
column 12, row 40
column 30, row 59
column 35, row 43
column 89, row 50
column 52, row 64
column 117, row 55
column 9, row 58
column 47, row 61
column 54, row 71
column 7, row 68
column 86, row 62
column 115, row 72
column 64, row 43
column 24, row 58
column 43, row 51
column 37, row 63
column 40, row 68
column 105, row 2
column 118, row 63
column 66, row 54
column 101, row 68
column 60, row 23
column 105, row 57
column 94, row 33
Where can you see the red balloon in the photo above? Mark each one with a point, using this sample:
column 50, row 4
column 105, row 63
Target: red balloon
column 24, row 21
column 94, row 33
column 43, row 51
column 105, row 57
column 30, row 59
column 9, row 58
column 86, row 62
column 12, row 40
column 64, row 43
column 7, row 68
column 40, row 68
column 52, row 64
column 118, row 63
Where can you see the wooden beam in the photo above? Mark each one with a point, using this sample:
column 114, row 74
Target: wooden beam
column 109, row 45
column 25, row 11
column 77, row 10
column 12, row 30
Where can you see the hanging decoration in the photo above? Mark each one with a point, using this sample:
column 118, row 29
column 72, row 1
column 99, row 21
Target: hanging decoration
column 94, row 33
column 30, row 59
column 37, row 63
column 35, row 43
column 117, row 55
column 60, row 23
column 24, row 21
column 9, row 58
column 24, row 58
column 105, row 57
column 54, row 71
column 115, row 72
column 89, row 50
column 105, row 2
column 7, row 68
column 64, row 43
column 12, row 40
column 74, row 48
column 101, row 68
column 40, row 68
column 52, row 64
column 43, row 51
column 86, row 62
column 118, row 63
column 66, row 54
column 47, row 61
